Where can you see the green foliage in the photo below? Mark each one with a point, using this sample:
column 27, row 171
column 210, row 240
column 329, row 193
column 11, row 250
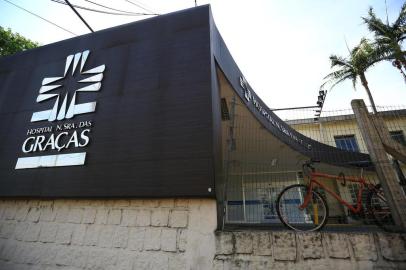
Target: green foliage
column 387, row 45
column 11, row 43
column 361, row 58
column 388, row 37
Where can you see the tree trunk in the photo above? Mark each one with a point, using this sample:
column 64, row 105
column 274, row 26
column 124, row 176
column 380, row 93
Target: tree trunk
column 403, row 73
column 365, row 84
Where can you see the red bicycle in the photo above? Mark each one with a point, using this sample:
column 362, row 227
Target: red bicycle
column 302, row 208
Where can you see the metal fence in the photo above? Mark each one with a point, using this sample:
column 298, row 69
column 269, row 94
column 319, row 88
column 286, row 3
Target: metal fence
column 257, row 166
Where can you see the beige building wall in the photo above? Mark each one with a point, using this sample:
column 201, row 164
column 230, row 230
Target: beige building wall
column 327, row 128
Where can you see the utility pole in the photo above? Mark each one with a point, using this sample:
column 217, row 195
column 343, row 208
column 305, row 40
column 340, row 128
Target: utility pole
column 370, row 130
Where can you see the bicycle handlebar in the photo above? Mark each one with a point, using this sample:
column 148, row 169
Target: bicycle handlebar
column 308, row 164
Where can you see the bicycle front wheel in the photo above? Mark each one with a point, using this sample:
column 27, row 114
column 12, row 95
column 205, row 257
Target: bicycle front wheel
column 311, row 218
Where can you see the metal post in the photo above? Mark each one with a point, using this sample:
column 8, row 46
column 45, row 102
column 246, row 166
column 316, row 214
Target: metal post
column 243, row 198
column 80, row 17
column 393, row 192
column 227, row 159
column 322, row 133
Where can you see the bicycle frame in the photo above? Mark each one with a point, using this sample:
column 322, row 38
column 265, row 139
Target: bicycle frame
column 314, row 182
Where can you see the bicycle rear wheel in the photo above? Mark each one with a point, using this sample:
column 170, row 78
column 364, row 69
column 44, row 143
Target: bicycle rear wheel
column 379, row 209
column 311, row 218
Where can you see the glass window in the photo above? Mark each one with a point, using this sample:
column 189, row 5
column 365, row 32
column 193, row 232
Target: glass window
column 398, row 136
column 347, row 142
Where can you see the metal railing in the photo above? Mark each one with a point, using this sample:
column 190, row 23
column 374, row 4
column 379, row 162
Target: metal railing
column 257, row 166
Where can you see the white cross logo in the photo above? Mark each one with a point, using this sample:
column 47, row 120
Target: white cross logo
column 68, row 111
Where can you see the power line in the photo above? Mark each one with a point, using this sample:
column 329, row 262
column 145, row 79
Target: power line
column 32, row 13
column 80, row 17
column 100, row 5
column 140, row 6
column 102, row 11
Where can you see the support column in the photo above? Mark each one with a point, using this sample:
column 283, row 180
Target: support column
column 393, row 192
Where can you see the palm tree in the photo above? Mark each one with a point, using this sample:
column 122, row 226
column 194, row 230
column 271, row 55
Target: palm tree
column 389, row 37
column 361, row 58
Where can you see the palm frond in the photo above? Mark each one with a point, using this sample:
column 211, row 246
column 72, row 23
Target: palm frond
column 333, row 83
column 338, row 61
column 365, row 55
column 375, row 25
column 338, row 74
column 401, row 19
column 382, row 49
column 354, row 82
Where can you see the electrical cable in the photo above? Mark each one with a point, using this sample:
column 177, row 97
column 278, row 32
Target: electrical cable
column 102, row 11
column 140, row 6
column 80, row 17
column 32, row 13
column 100, row 5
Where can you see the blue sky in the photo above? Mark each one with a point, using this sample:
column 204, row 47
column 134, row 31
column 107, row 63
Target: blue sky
column 282, row 47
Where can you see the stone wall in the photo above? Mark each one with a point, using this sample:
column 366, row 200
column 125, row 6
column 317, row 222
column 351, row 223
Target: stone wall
column 288, row 250
column 171, row 234
column 109, row 234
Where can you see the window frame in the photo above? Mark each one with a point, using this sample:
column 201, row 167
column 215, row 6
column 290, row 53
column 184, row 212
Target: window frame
column 352, row 146
column 397, row 135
